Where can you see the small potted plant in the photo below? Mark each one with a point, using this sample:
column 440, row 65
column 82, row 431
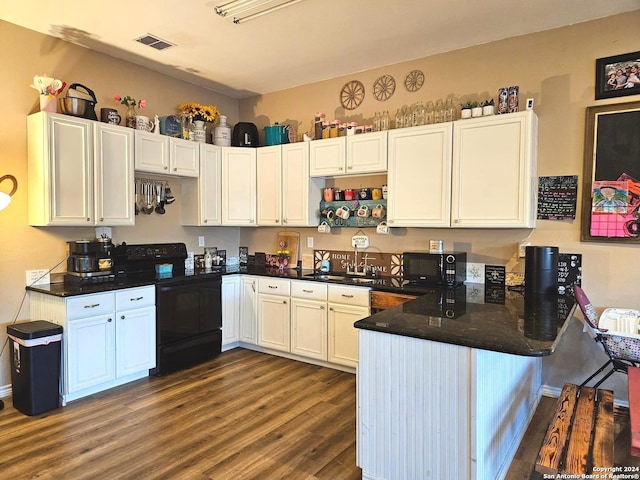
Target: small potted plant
column 476, row 109
column 487, row 107
column 465, row 109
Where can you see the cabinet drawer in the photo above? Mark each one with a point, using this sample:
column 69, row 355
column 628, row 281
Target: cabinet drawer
column 349, row 295
column 131, row 298
column 84, row 306
column 274, row 286
column 309, row 290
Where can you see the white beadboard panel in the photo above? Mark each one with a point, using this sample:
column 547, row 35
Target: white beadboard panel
column 429, row 410
column 406, row 388
column 506, row 389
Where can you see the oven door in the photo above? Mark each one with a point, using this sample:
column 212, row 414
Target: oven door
column 188, row 309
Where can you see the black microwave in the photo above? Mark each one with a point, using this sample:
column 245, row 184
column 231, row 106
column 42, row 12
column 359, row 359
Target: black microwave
column 435, row 269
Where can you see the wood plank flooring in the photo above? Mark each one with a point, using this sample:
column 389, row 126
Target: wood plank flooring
column 244, row 415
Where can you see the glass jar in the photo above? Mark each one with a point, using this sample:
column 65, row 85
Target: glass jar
column 399, row 118
column 429, row 113
column 438, row 114
column 130, row 116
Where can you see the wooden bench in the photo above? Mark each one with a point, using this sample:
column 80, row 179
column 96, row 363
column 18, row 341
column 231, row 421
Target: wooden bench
column 633, row 374
column 580, row 436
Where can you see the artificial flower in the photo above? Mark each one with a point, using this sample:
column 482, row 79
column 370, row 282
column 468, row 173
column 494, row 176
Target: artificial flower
column 130, row 101
column 205, row 113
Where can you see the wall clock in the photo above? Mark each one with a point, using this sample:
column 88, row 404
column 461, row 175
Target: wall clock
column 352, row 94
column 384, row 87
column 414, row 80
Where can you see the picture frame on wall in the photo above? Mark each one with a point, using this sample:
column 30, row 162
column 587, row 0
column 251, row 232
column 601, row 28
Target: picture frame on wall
column 618, row 76
column 611, row 174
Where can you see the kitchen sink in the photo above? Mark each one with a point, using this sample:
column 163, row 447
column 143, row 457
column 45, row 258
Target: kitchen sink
column 341, row 278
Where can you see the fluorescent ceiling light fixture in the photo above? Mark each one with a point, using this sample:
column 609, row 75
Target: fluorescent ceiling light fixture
column 241, row 11
column 5, row 198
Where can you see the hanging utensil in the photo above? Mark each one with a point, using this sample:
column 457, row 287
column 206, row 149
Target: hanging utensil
column 169, row 198
column 135, row 197
column 147, row 206
column 160, row 194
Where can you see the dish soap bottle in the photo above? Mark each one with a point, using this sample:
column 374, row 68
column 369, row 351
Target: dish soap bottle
column 222, row 133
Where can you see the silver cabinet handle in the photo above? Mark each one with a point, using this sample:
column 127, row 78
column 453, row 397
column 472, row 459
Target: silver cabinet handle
column 135, row 299
column 93, row 305
column 347, row 296
column 307, row 291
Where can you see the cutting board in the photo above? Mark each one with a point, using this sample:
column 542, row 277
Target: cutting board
column 292, row 241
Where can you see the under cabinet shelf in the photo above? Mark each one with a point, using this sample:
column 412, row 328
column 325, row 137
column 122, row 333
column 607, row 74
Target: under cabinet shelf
column 354, row 220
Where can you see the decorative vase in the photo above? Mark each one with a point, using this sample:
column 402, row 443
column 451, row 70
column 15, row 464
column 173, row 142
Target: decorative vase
column 465, row 113
column 487, row 110
column 476, row 112
column 199, row 132
column 48, row 103
column 131, row 116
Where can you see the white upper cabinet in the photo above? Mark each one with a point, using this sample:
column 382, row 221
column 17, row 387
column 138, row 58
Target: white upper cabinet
column 350, row 155
column 239, row 186
column 80, row 172
column 419, row 177
column 166, row 155
column 202, row 196
column 494, row 171
column 287, row 196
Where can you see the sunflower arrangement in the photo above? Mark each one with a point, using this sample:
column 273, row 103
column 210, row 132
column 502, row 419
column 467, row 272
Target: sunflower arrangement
column 206, row 113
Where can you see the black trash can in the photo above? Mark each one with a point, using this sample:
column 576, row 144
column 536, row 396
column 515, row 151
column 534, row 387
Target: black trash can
column 35, row 352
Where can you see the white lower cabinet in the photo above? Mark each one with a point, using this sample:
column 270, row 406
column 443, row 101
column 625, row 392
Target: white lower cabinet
column 231, row 288
column 108, row 338
column 309, row 319
column 249, row 310
column 274, row 314
column 346, row 305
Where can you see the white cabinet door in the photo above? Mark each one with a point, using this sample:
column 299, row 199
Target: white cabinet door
column 135, row 340
column 343, row 336
column 269, row 186
column 249, row 310
column 274, row 326
column 91, row 352
column 327, row 157
column 367, row 153
column 494, row 171
column 113, row 170
column 184, row 157
column 230, row 309
column 60, row 164
column 202, row 197
column 309, row 328
column 151, row 153
column 419, row 177
column 301, row 194
column 238, row 186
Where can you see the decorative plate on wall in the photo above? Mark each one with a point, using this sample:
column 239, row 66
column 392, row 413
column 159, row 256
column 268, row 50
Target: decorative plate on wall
column 352, row 94
column 384, row 87
column 414, row 80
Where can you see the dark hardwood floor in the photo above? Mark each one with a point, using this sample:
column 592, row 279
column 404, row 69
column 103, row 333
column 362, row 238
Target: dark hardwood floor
column 244, row 415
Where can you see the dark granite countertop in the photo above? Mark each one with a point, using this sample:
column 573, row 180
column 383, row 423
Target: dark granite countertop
column 529, row 326
column 390, row 284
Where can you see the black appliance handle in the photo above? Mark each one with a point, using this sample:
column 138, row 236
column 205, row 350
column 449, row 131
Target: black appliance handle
column 88, row 90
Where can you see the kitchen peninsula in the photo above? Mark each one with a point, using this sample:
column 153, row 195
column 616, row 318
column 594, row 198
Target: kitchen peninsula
column 449, row 392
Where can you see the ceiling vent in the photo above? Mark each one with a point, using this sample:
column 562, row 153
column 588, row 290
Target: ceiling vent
column 154, row 42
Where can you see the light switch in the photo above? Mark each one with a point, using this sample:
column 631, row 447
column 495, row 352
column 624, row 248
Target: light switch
column 309, row 242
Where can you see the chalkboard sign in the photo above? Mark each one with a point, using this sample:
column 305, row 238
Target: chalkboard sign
column 557, row 197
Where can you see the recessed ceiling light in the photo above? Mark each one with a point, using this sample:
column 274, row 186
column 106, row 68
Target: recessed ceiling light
column 154, row 42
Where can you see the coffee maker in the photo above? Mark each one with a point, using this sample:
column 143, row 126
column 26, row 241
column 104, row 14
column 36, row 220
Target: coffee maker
column 90, row 261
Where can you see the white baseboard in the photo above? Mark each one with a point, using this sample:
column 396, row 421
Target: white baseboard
column 5, row 391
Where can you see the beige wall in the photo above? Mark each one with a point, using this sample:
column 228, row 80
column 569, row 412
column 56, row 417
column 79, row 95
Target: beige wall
column 23, row 54
column 556, row 69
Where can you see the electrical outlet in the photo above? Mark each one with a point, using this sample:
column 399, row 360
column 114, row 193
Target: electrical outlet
column 309, row 242
column 522, row 249
column 38, row 277
column 201, row 241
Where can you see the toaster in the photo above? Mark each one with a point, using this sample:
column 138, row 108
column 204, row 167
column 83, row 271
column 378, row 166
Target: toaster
column 245, row 134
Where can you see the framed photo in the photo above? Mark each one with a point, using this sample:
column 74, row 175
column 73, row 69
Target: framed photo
column 618, row 76
column 611, row 174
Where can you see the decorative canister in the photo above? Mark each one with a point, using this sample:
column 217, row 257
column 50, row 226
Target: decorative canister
column 349, row 194
column 503, row 105
column 200, row 134
column 385, row 191
column 338, row 195
column 513, row 98
column 376, row 193
column 222, row 133
column 328, row 194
